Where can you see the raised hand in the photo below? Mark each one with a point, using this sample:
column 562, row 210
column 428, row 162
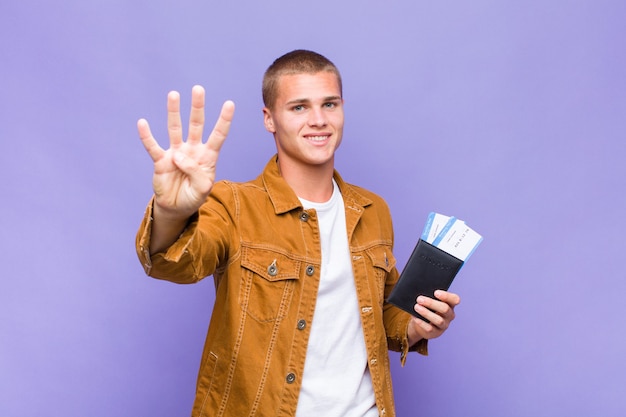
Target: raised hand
column 183, row 174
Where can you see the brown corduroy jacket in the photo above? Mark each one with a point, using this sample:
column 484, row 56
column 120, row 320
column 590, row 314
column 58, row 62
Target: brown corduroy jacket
column 263, row 250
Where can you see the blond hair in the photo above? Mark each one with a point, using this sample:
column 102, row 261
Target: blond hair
column 299, row 61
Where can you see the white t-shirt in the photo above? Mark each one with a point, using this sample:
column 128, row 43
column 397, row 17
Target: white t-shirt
column 336, row 380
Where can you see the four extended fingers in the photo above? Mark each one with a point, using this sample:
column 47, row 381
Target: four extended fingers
column 196, row 124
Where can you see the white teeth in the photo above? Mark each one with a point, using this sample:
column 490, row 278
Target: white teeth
column 317, row 138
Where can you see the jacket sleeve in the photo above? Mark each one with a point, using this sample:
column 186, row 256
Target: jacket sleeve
column 397, row 321
column 200, row 248
column 397, row 324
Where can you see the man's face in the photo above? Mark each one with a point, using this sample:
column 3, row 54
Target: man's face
column 306, row 119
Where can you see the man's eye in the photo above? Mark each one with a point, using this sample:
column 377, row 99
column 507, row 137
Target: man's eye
column 298, row 108
column 330, row 105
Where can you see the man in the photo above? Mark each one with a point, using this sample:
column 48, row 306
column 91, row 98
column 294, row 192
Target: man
column 302, row 261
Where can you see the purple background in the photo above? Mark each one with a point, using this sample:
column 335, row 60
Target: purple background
column 510, row 115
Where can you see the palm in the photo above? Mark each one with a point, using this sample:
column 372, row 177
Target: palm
column 174, row 188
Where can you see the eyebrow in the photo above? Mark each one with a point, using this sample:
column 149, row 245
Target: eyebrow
column 306, row 100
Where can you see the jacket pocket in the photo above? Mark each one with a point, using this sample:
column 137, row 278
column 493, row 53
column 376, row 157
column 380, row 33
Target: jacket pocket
column 268, row 280
column 383, row 262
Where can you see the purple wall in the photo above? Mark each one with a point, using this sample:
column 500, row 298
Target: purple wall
column 510, row 115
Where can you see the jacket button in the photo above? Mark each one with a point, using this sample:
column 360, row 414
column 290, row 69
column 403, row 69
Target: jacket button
column 301, row 324
column 304, row 216
column 291, row 377
column 272, row 269
column 310, row 270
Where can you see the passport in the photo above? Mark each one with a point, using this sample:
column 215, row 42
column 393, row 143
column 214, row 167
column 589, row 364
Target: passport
column 445, row 245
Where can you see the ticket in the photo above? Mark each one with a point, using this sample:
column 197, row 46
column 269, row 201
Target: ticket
column 457, row 239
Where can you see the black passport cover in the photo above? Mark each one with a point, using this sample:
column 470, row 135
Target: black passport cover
column 428, row 269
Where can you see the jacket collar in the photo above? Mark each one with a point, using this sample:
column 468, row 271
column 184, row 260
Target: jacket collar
column 284, row 199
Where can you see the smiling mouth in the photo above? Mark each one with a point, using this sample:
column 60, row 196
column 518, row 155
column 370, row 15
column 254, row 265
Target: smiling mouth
column 317, row 138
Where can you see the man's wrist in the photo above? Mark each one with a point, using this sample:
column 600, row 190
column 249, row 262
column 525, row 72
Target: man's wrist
column 166, row 228
column 412, row 334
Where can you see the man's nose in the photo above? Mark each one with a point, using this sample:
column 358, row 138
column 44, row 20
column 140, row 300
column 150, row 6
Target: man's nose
column 317, row 117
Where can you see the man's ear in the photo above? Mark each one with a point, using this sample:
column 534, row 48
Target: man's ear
column 268, row 120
